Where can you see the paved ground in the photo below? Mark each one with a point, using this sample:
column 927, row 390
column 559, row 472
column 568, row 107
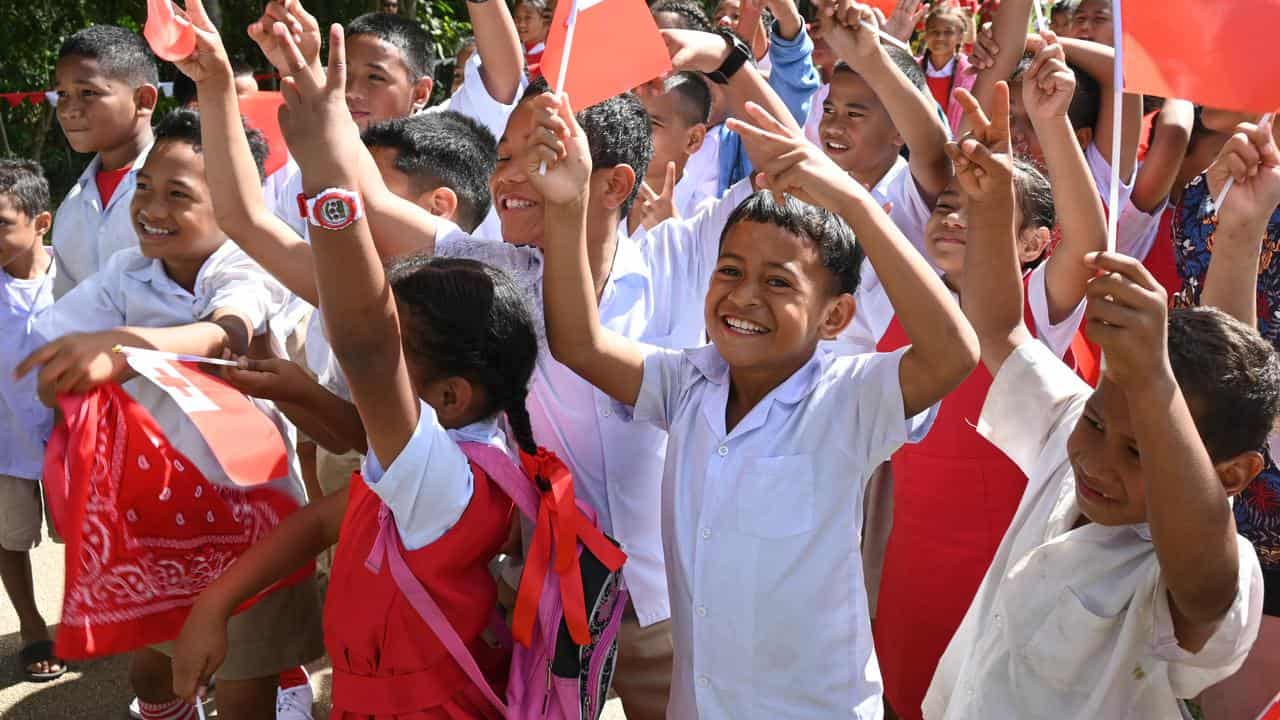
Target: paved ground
column 99, row 689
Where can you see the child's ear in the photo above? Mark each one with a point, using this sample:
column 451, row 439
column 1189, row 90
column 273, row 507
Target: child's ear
column 452, row 396
column 618, row 182
column 1085, row 136
column 839, row 315
column 693, row 141
column 42, row 223
column 441, row 202
column 1033, row 243
column 422, row 93
column 145, row 98
column 1239, row 471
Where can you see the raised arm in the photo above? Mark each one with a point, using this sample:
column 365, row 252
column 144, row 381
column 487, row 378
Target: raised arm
column 1191, row 523
column 1008, row 40
column 705, row 52
column 1164, row 158
column 1251, row 160
column 992, row 292
column 914, row 113
column 1099, row 61
column 943, row 350
column 1047, row 88
column 498, row 45
column 603, row 358
column 233, row 177
column 356, row 301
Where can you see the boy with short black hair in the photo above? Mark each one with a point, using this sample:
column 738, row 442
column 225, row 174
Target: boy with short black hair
column 678, row 114
column 107, row 82
column 26, row 288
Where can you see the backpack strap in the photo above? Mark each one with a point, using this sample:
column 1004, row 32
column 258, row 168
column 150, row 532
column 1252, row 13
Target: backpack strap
column 506, row 474
column 387, row 546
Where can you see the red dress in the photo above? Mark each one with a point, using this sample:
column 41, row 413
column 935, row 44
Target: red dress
column 386, row 662
column 1160, row 258
column 954, row 495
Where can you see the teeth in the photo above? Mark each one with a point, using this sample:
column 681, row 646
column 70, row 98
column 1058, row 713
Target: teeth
column 516, row 204
column 837, row 147
column 745, row 326
column 155, row 230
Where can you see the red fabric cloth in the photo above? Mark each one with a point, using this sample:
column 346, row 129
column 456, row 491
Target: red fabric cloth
column 145, row 531
column 1160, row 258
column 108, row 181
column 533, row 60
column 387, row 663
column 940, row 87
column 954, row 495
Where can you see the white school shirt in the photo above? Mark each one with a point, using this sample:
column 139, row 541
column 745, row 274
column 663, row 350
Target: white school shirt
column 910, row 213
column 134, row 290
column 1073, row 624
column 655, row 294
column 762, row 529
column 25, row 422
column 429, row 485
column 1100, row 169
column 85, row 234
column 1136, row 230
column 702, row 170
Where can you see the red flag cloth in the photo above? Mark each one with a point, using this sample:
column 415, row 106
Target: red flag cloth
column 246, row 443
column 145, row 532
column 14, row 99
column 1218, row 54
column 616, row 47
column 1273, row 710
column 261, row 112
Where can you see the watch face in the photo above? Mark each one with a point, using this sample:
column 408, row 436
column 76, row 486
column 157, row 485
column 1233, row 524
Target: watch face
column 334, row 211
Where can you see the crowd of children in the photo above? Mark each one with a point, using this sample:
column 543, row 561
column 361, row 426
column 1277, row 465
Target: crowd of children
column 831, row 339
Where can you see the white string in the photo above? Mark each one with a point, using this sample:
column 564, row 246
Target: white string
column 1041, row 25
column 1117, row 123
column 200, row 707
column 570, row 23
column 1231, row 181
column 886, row 37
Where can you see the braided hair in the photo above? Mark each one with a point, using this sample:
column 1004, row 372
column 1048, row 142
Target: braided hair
column 464, row 318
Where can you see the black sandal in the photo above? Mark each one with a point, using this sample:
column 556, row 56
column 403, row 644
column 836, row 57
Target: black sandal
column 41, row 651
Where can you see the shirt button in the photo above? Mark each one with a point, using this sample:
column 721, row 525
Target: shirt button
column 706, row 533
column 704, row 681
column 722, row 450
column 606, row 412
column 701, row 610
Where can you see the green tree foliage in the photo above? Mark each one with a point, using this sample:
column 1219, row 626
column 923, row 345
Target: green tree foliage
column 31, row 32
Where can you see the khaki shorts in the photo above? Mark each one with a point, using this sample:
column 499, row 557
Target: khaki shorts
column 281, row 632
column 20, row 513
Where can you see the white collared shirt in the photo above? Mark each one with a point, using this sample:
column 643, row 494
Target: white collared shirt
column 1073, row 624
column 655, row 294
column 86, row 235
column 702, row 170
column 25, row 422
column 762, row 530
column 1100, row 169
column 134, row 290
column 430, row 484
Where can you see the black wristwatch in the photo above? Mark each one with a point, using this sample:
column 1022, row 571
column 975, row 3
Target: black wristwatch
column 739, row 54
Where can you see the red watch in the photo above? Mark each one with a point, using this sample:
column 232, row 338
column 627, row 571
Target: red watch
column 332, row 208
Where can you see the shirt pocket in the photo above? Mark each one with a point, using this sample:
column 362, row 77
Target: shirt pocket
column 1071, row 645
column 777, row 497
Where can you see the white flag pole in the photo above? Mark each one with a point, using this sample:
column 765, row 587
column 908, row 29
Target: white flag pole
column 1117, row 121
column 570, row 23
column 1231, row 182
column 176, row 357
column 1041, row 25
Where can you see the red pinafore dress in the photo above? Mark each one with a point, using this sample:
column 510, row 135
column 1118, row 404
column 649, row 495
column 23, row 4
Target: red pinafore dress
column 954, row 495
column 387, row 663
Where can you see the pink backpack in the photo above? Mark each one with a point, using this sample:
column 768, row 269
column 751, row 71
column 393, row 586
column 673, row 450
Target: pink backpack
column 570, row 598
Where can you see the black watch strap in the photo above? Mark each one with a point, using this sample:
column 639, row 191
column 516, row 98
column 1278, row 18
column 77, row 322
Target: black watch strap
column 739, row 54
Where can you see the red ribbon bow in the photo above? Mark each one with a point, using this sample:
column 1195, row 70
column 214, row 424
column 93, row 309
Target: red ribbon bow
column 559, row 526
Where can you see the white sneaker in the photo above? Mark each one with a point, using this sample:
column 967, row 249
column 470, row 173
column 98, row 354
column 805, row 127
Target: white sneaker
column 294, row 703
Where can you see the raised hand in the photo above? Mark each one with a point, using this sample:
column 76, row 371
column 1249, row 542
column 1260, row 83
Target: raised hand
column 695, row 50
column 208, row 62
column 906, row 15
column 1251, row 160
column 1048, row 84
column 655, row 208
column 315, row 121
column 559, row 145
column 297, row 22
column 1127, row 316
column 982, row 158
column 788, row 163
column 851, row 30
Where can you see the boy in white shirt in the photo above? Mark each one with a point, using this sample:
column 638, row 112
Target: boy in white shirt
column 106, row 83
column 26, row 287
column 771, row 438
column 1121, row 584
column 188, row 289
column 679, row 108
